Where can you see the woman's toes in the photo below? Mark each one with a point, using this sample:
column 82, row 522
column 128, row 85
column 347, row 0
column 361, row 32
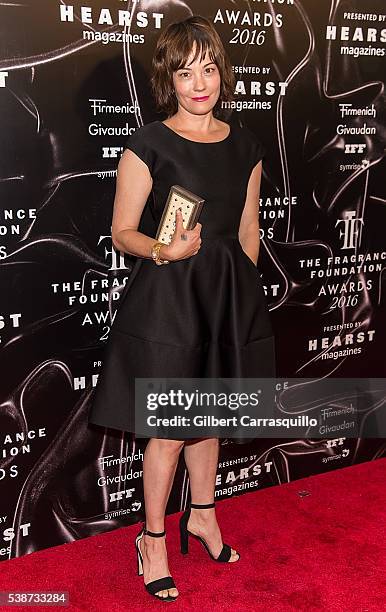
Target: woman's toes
column 165, row 593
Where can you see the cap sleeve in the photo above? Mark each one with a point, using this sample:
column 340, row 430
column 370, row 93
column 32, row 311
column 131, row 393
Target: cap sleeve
column 258, row 150
column 139, row 143
column 255, row 148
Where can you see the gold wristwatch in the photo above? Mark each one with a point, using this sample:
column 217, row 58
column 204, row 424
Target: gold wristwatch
column 155, row 254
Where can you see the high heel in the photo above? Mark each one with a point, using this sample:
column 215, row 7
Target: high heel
column 226, row 551
column 161, row 584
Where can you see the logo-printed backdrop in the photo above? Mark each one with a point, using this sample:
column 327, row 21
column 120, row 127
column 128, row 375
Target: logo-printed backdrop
column 73, row 86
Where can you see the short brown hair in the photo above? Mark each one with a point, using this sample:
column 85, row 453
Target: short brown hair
column 173, row 48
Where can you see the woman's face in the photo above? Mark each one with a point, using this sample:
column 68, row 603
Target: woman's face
column 197, row 85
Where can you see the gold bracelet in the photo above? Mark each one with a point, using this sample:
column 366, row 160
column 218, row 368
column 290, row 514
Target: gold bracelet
column 155, row 254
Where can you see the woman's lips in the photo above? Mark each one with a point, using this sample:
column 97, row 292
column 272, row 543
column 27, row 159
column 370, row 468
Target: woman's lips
column 201, row 99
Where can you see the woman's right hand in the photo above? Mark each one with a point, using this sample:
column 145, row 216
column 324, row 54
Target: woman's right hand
column 179, row 248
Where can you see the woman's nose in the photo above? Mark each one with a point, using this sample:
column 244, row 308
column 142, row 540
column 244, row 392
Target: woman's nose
column 198, row 83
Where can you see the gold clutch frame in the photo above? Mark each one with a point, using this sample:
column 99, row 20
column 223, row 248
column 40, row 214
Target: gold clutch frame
column 191, row 205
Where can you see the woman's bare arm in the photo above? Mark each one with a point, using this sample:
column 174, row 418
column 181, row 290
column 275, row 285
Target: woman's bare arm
column 249, row 232
column 133, row 186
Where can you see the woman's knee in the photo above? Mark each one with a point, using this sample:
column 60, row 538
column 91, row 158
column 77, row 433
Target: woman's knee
column 169, row 446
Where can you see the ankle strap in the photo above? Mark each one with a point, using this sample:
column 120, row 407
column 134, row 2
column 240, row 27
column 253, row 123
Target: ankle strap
column 203, row 505
column 154, row 534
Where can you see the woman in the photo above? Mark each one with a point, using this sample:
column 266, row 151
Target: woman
column 204, row 314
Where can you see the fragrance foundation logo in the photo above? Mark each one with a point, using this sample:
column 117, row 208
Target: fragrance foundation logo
column 271, row 210
column 116, row 25
column 13, row 224
column 350, row 222
column 14, row 446
column 94, row 297
column 346, row 281
column 342, row 265
column 348, row 275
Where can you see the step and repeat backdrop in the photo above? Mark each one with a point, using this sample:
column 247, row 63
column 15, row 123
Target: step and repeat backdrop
column 74, row 84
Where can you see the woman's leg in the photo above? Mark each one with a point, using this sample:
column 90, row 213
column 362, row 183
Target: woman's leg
column 159, row 468
column 201, row 458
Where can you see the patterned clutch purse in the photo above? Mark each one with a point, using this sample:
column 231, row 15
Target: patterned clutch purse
column 190, row 204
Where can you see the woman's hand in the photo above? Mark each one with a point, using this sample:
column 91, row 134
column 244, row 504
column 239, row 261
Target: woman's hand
column 184, row 243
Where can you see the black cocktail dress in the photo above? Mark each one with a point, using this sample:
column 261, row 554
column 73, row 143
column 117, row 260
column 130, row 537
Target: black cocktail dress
column 205, row 316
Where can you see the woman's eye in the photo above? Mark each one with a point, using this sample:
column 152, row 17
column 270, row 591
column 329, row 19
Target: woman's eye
column 187, row 74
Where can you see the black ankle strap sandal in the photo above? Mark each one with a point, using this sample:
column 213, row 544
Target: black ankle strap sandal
column 226, row 551
column 154, row 534
column 160, row 584
column 203, row 505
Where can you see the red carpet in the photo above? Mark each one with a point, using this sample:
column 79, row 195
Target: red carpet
column 324, row 551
